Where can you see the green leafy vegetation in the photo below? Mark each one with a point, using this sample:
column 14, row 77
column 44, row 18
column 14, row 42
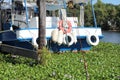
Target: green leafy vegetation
column 103, row 64
column 107, row 15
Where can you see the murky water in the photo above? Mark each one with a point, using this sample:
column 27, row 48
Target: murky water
column 110, row 36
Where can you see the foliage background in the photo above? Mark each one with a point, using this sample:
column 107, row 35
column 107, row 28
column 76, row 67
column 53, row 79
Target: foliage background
column 107, row 15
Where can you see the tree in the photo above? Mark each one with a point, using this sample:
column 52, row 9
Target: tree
column 107, row 15
column 118, row 17
column 42, row 23
column 111, row 17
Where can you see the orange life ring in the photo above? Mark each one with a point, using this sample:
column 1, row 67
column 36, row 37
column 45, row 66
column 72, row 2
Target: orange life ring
column 68, row 30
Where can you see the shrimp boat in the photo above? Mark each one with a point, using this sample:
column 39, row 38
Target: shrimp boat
column 19, row 27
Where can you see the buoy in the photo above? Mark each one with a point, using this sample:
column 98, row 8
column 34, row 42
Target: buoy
column 54, row 35
column 74, row 36
column 68, row 39
column 92, row 39
column 60, row 37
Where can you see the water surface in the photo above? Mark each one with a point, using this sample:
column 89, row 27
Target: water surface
column 110, row 36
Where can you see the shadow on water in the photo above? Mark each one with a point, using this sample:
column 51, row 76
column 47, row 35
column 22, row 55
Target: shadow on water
column 110, row 36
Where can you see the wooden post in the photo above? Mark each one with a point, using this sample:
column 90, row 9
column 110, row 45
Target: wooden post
column 41, row 23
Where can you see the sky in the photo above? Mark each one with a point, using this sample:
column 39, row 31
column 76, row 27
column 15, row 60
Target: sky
column 115, row 2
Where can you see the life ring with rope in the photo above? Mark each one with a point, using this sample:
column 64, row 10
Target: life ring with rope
column 61, row 27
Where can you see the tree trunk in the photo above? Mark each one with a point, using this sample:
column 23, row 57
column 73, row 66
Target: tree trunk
column 0, row 18
column 41, row 23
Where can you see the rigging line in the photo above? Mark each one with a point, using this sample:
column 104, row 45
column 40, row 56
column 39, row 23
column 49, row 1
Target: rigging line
column 93, row 12
column 26, row 9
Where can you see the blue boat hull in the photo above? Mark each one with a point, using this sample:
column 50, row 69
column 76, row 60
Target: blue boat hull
column 9, row 38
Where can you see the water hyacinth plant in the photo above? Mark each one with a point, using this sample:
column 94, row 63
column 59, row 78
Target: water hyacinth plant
column 103, row 63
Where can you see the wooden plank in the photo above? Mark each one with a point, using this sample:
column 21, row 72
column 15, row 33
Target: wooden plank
column 18, row 51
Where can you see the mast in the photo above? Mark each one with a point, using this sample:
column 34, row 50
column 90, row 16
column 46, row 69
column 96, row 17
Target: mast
column 42, row 23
